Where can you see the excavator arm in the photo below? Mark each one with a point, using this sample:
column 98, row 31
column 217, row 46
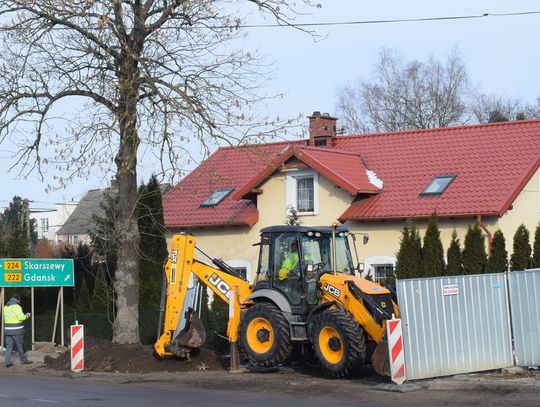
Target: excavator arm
column 181, row 271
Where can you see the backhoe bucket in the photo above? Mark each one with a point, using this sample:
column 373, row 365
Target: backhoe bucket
column 380, row 358
column 193, row 334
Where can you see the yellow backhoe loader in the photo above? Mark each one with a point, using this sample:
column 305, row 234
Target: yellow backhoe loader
column 306, row 291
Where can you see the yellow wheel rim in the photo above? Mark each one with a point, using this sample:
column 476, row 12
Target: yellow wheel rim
column 331, row 345
column 260, row 335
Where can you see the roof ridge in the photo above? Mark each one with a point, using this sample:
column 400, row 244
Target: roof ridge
column 443, row 129
column 330, row 150
column 261, row 144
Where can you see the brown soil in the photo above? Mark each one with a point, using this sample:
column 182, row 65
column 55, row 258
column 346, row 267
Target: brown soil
column 105, row 356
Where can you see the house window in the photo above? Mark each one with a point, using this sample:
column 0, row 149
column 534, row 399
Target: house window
column 380, row 267
column 305, row 194
column 438, row 185
column 44, row 224
column 217, row 197
column 241, row 271
column 242, row 267
column 73, row 240
column 301, row 192
column 382, row 271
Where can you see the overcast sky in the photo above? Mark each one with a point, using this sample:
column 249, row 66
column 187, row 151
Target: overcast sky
column 501, row 54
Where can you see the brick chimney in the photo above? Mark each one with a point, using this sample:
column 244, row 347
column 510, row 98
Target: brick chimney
column 322, row 128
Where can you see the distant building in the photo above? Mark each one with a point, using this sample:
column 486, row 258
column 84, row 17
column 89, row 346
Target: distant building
column 49, row 221
column 80, row 223
column 77, row 227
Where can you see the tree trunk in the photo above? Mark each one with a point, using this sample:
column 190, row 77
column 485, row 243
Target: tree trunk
column 126, row 325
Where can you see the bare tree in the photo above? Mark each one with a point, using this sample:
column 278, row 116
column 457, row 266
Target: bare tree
column 495, row 108
column 417, row 95
column 498, row 108
column 532, row 110
column 153, row 74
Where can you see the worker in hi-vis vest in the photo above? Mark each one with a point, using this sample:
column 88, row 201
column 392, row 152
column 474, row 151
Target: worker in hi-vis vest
column 14, row 329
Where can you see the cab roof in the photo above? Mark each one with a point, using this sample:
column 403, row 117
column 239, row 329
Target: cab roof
column 301, row 229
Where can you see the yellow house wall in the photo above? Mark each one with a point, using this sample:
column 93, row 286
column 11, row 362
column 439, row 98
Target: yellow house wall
column 384, row 236
column 525, row 209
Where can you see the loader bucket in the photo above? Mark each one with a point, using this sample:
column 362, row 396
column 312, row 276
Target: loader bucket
column 193, row 334
column 380, row 358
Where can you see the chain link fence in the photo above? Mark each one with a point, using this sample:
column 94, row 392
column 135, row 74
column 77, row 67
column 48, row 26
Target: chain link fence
column 95, row 325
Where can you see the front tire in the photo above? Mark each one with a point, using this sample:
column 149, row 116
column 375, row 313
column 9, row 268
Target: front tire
column 265, row 336
column 339, row 342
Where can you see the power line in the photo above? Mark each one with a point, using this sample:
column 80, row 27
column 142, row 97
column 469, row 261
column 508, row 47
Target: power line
column 396, row 20
column 356, row 22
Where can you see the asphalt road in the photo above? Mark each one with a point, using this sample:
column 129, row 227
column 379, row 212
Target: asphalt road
column 25, row 391
column 32, row 386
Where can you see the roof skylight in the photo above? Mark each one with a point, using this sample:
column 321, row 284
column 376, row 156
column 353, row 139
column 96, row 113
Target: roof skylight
column 438, row 185
column 217, row 197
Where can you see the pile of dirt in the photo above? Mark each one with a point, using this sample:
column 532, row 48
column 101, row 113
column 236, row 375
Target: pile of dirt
column 104, row 356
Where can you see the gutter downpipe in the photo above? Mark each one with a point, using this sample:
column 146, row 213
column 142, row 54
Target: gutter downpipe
column 488, row 233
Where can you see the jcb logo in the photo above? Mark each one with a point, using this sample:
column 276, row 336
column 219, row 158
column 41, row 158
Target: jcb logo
column 332, row 290
column 221, row 285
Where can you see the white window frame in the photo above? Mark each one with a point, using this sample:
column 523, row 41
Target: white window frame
column 44, row 224
column 241, row 263
column 291, row 190
column 371, row 262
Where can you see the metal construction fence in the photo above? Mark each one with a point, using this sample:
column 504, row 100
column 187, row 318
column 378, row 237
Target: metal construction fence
column 455, row 324
column 462, row 324
column 525, row 310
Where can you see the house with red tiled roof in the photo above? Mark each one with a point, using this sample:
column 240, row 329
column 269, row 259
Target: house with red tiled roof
column 486, row 174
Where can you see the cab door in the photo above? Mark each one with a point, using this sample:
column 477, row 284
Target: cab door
column 283, row 251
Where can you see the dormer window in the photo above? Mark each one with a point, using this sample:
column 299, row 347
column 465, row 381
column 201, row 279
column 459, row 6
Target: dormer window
column 438, row 185
column 217, row 197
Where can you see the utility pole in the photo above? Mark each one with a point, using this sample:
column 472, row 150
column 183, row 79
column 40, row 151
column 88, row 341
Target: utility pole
column 26, row 217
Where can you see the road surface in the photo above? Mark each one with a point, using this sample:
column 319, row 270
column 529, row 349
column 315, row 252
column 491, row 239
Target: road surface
column 31, row 387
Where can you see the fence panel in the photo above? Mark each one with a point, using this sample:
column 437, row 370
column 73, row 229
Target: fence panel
column 455, row 324
column 525, row 309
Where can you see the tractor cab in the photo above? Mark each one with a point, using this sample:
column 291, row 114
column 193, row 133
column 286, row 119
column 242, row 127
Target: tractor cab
column 293, row 258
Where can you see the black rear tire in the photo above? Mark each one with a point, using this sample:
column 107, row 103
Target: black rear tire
column 339, row 342
column 265, row 335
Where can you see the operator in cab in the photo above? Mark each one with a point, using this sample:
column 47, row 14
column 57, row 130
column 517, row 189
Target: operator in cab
column 290, row 263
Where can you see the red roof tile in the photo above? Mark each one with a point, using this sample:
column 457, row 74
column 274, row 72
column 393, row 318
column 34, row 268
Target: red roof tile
column 229, row 167
column 346, row 170
column 491, row 162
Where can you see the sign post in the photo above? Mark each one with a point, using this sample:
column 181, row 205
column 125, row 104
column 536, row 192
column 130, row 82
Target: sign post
column 38, row 273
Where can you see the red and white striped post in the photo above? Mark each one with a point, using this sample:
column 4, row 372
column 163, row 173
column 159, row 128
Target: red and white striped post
column 395, row 348
column 77, row 347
